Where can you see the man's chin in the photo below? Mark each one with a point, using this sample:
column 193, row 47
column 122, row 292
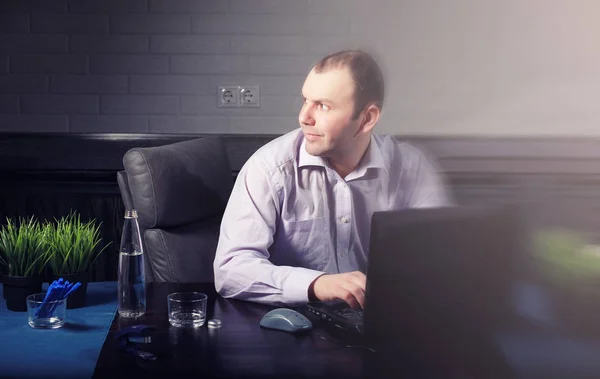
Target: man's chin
column 313, row 149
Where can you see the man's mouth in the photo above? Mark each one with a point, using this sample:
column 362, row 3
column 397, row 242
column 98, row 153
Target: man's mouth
column 311, row 136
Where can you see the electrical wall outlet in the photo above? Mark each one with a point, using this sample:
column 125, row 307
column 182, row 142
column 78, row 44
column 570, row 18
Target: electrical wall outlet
column 228, row 96
column 250, row 96
column 238, row 96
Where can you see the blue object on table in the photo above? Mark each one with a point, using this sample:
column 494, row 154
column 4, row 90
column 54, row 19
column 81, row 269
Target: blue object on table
column 124, row 343
column 67, row 352
column 57, row 290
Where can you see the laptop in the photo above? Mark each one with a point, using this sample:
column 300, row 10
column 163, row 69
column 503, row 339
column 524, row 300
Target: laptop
column 388, row 232
column 439, row 286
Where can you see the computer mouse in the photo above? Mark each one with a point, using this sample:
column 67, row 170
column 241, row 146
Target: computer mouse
column 287, row 320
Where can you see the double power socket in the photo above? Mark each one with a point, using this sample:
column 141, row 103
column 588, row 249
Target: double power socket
column 238, row 96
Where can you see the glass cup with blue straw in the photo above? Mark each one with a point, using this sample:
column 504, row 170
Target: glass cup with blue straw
column 48, row 311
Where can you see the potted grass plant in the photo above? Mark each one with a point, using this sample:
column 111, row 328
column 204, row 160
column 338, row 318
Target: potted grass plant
column 74, row 246
column 23, row 257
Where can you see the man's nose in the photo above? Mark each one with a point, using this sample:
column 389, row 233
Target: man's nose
column 306, row 117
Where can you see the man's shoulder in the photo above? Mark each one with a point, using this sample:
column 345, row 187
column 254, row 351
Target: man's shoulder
column 279, row 151
column 397, row 151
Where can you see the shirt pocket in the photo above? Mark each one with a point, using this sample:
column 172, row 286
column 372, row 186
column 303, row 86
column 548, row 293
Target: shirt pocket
column 309, row 242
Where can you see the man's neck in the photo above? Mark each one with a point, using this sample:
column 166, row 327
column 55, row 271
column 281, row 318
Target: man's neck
column 347, row 164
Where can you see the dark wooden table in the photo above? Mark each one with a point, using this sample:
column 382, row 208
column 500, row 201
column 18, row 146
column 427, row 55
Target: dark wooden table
column 239, row 349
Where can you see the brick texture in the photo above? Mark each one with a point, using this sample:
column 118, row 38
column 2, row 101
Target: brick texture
column 108, row 124
column 140, row 105
column 23, row 84
column 50, row 64
column 151, row 24
column 174, row 84
column 129, row 64
column 34, row 6
column 104, row 6
column 139, row 66
column 34, row 123
column 14, row 23
column 3, row 64
column 9, row 104
column 63, row 23
column 59, row 104
column 81, row 43
column 88, row 84
column 33, row 43
column 189, row 6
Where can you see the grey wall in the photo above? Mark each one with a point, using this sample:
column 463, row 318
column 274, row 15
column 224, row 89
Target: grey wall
column 493, row 68
column 500, row 70
column 454, row 68
column 154, row 65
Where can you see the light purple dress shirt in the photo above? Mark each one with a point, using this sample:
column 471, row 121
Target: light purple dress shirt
column 291, row 217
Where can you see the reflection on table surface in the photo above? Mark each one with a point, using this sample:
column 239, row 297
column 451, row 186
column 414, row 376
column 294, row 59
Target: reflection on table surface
column 240, row 348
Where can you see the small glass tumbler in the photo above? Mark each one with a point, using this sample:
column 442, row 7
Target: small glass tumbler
column 187, row 309
column 51, row 315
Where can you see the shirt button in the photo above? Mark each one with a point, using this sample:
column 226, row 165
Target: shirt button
column 344, row 220
column 342, row 253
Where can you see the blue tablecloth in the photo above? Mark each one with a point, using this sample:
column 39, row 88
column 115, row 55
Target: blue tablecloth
column 68, row 352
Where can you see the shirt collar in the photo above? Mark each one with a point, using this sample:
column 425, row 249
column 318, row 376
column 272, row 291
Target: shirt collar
column 371, row 159
column 305, row 159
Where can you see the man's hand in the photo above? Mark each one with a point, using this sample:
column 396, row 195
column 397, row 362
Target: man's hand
column 349, row 287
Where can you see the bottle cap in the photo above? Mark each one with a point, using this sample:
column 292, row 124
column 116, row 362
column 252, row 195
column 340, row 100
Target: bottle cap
column 131, row 213
column 214, row 323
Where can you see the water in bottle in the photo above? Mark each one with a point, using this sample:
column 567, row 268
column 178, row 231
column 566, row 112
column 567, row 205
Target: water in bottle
column 131, row 280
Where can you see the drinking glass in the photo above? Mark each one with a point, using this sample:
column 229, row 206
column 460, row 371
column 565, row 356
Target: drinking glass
column 187, row 309
column 51, row 315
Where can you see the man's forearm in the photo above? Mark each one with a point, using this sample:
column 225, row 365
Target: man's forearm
column 264, row 282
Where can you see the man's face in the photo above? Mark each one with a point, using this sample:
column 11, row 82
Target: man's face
column 326, row 116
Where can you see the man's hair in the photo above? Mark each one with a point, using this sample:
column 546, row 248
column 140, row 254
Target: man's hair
column 367, row 76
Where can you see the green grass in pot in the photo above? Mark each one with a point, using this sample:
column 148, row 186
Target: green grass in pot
column 74, row 245
column 23, row 249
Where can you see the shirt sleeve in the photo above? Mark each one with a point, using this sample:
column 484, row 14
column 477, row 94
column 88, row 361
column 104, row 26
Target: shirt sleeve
column 241, row 266
column 429, row 189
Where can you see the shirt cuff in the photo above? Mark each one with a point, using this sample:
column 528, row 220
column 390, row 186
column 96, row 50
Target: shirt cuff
column 295, row 288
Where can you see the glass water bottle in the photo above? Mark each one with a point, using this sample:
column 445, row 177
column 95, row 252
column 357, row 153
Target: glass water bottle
column 132, row 279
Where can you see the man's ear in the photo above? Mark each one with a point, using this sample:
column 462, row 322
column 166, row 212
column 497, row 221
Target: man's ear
column 370, row 117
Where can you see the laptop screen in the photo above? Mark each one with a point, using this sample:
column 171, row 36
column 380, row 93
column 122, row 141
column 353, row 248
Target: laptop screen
column 462, row 293
column 439, row 290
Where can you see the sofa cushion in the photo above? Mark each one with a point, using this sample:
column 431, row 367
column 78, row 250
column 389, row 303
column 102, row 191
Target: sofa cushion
column 179, row 183
column 184, row 254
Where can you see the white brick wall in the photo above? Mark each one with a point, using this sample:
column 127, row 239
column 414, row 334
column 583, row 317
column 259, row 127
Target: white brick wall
column 154, row 65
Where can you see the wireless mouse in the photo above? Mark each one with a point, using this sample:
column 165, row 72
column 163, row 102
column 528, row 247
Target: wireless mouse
column 287, row 320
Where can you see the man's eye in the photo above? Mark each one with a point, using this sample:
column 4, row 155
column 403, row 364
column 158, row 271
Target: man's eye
column 324, row 107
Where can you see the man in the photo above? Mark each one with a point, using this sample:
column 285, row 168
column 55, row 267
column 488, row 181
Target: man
column 297, row 224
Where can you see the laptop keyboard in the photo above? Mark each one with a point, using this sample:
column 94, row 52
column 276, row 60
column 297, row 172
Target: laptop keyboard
column 350, row 314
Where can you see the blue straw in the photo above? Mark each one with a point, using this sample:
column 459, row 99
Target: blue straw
column 57, row 290
column 77, row 285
